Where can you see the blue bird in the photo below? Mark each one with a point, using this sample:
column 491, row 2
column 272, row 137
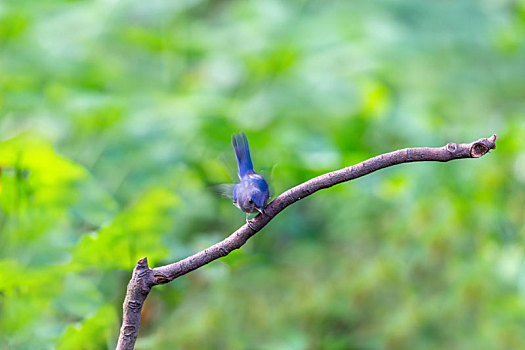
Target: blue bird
column 251, row 194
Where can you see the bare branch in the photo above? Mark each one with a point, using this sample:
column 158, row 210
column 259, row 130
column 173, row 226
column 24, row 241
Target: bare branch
column 138, row 289
column 144, row 278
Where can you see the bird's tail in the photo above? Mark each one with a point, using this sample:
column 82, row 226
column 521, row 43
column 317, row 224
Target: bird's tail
column 242, row 153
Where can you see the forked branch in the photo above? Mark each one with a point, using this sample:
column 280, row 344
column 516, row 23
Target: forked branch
column 144, row 278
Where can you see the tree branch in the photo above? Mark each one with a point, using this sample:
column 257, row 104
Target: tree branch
column 144, row 278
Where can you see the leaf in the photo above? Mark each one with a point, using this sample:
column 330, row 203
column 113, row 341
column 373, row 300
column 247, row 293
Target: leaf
column 35, row 175
column 93, row 333
column 133, row 234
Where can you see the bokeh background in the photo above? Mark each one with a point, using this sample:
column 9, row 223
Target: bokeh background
column 115, row 126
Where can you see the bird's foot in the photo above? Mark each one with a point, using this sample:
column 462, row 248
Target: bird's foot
column 249, row 222
column 263, row 213
column 250, row 225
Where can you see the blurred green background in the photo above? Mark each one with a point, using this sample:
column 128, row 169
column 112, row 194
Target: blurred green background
column 115, row 124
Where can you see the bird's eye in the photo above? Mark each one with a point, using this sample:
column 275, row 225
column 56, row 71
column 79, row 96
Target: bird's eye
column 250, row 201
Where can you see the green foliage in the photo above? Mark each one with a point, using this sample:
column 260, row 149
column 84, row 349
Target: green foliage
column 94, row 333
column 115, row 246
column 115, row 125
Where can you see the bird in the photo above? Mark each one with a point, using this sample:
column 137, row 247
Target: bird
column 251, row 194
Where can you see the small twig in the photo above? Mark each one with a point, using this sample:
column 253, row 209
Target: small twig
column 144, row 278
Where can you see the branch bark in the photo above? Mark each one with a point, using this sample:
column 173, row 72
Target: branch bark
column 144, row 278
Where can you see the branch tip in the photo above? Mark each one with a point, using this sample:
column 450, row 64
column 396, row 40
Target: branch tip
column 482, row 146
column 492, row 139
column 142, row 263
